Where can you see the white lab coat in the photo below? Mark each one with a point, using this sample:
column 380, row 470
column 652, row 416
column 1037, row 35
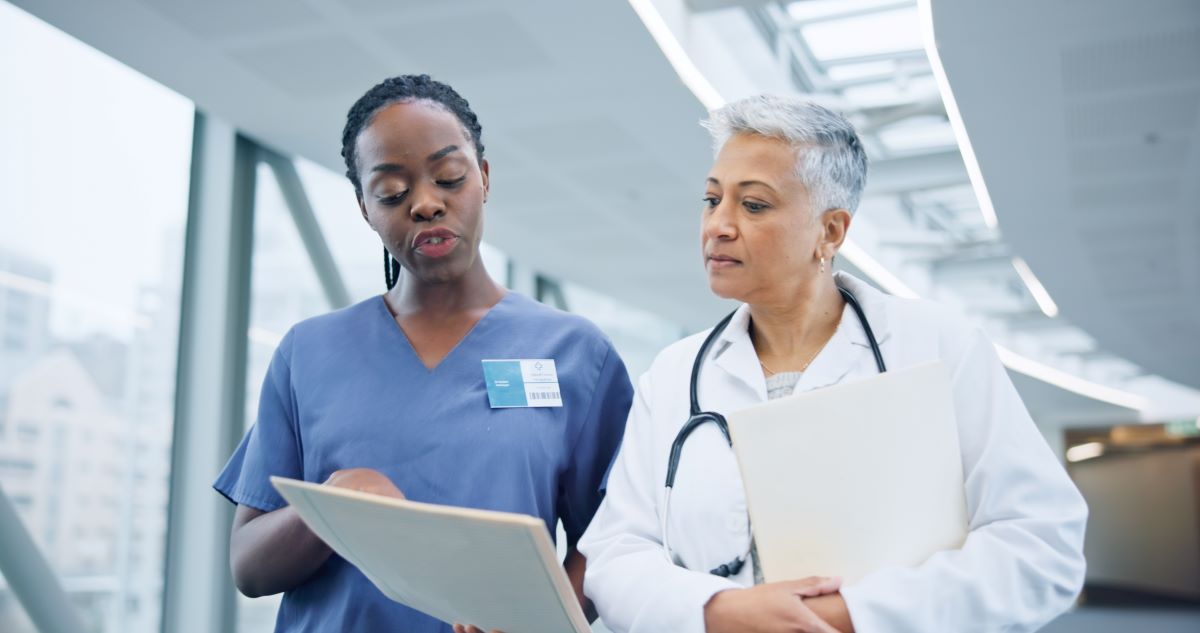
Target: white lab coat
column 1022, row 563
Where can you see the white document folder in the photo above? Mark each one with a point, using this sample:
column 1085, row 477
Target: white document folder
column 495, row 570
column 855, row 477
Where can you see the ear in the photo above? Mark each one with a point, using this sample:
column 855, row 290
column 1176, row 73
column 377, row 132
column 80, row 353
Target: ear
column 485, row 170
column 362, row 207
column 834, row 225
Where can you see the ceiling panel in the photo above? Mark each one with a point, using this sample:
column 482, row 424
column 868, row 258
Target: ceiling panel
column 1104, row 121
column 333, row 64
column 225, row 18
column 465, row 46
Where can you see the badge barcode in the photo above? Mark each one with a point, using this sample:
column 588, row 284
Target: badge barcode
column 544, row 395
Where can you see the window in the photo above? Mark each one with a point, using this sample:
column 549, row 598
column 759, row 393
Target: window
column 355, row 247
column 94, row 166
column 637, row 334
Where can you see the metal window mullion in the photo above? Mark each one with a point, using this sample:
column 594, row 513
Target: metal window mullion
column 210, row 378
column 30, row 576
column 302, row 213
column 550, row 291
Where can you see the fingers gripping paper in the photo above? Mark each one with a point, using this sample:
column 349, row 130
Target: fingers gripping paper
column 495, row 570
column 848, row 479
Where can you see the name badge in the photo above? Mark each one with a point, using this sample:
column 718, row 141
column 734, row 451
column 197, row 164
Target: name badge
column 522, row 383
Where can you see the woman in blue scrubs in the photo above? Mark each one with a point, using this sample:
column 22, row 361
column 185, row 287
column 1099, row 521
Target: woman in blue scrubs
column 389, row 395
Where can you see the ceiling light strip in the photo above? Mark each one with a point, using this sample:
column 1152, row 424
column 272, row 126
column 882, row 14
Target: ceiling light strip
column 876, row 271
column 1070, row 382
column 676, row 55
column 1047, row 305
column 956, row 123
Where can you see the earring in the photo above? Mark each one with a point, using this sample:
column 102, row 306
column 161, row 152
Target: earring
column 822, row 265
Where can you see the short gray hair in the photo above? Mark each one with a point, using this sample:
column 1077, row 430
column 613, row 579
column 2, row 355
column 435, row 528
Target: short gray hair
column 830, row 160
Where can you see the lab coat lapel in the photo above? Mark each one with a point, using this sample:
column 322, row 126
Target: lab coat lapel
column 849, row 345
column 735, row 355
column 835, row 360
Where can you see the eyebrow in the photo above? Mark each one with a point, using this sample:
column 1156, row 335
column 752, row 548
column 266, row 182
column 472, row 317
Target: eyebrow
column 438, row 155
column 442, row 153
column 743, row 183
column 387, row 167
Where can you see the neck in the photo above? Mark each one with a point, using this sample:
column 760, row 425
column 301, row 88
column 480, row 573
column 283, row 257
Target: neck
column 473, row 291
column 793, row 328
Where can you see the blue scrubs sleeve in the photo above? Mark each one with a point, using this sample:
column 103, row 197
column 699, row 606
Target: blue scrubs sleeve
column 271, row 447
column 580, row 489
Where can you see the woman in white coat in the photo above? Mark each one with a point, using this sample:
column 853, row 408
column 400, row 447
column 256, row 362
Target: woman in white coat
column 780, row 197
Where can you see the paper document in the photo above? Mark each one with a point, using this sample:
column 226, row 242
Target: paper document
column 495, row 570
column 851, row 478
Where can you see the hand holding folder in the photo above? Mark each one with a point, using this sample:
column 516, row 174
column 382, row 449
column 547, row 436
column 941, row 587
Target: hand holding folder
column 496, row 570
column 365, row 480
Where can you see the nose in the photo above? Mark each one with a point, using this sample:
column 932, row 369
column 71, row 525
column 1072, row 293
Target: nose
column 427, row 204
column 718, row 223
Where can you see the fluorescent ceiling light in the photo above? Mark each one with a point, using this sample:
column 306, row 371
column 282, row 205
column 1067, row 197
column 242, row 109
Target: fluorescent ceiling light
column 914, row 137
column 843, row 72
column 893, row 30
column 956, row 122
column 676, row 55
column 876, row 271
column 806, row 10
column 1049, row 308
column 1070, row 382
column 1085, row 451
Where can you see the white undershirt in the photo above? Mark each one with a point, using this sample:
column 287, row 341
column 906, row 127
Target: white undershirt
column 779, row 385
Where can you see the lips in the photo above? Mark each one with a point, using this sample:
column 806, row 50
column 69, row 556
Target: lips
column 718, row 261
column 434, row 243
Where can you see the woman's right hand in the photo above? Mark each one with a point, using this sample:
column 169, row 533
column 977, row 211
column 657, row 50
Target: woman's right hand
column 769, row 608
column 270, row 552
column 365, row 480
column 467, row 628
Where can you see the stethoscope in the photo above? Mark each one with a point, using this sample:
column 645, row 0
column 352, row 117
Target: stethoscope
column 699, row 417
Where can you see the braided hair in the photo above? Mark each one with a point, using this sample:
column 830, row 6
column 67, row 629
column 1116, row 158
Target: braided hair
column 401, row 89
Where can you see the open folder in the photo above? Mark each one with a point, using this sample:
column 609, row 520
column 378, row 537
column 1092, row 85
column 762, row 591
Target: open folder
column 495, row 570
column 855, row 477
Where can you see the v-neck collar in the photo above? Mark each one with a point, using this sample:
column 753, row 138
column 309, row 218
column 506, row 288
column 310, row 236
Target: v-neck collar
column 405, row 343
column 735, row 353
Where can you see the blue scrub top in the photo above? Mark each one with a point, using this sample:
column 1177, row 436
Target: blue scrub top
column 347, row 390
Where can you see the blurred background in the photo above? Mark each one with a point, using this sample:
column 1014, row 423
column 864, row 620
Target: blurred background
column 172, row 200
